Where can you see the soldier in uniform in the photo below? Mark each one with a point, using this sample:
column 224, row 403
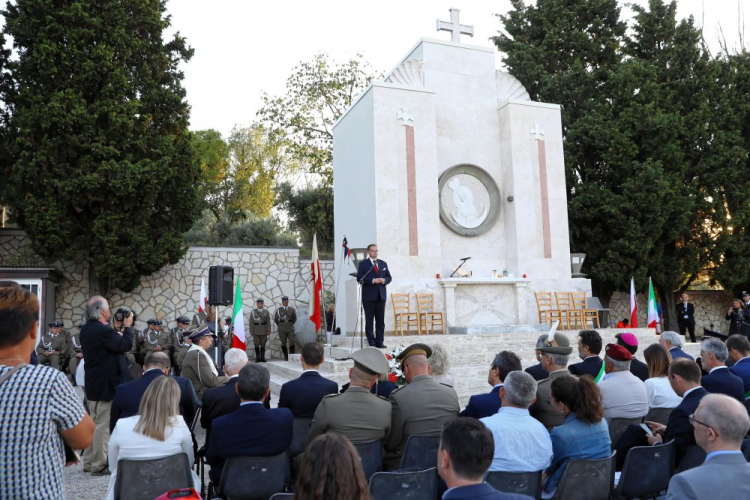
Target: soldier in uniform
column 285, row 317
column 74, row 351
column 179, row 342
column 53, row 345
column 260, row 322
column 358, row 414
column 198, row 365
column 420, row 408
column 554, row 359
column 156, row 340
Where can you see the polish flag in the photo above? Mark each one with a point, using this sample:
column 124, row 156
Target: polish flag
column 203, row 298
column 316, row 287
column 633, row 305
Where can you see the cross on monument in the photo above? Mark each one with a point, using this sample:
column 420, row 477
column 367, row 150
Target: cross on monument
column 537, row 132
column 454, row 27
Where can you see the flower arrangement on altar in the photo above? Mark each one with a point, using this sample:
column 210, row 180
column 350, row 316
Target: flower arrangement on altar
column 395, row 374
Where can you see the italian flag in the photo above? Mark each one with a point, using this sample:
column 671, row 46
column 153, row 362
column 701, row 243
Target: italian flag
column 316, row 286
column 238, row 320
column 653, row 312
column 633, row 305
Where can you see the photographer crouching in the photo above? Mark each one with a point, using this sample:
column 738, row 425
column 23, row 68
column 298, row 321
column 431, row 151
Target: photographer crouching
column 105, row 368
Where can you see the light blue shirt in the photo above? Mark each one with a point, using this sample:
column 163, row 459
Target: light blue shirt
column 243, row 403
column 723, row 452
column 522, row 443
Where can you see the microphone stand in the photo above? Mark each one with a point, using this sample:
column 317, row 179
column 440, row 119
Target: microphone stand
column 360, row 314
column 463, row 261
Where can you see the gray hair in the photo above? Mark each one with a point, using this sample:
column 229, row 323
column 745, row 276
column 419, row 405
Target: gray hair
column 726, row 416
column 673, row 338
column 541, row 340
column 439, row 360
column 506, row 362
column 558, row 359
column 234, row 360
column 520, row 389
column 716, row 347
column 618, row 365
column 95, row 306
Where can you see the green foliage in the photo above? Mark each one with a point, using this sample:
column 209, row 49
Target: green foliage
column 251, row 231
column 97, row 157
column 310, row 212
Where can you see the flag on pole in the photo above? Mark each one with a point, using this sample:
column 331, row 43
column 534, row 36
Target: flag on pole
column 203, row 298
column 238, row 320
column 345, row 249
column 633, row 305
column 316, row 287
column 653, row 313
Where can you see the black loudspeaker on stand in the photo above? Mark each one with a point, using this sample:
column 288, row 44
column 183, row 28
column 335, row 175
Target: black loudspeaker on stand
column 220, row 284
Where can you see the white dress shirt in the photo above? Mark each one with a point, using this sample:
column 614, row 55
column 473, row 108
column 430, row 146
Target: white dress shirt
column 623, row 396
column 661, row 394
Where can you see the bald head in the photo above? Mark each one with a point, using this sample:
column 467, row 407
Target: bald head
column 726, row 423
column 157, row 360
column 416, row 364
column 361, row 378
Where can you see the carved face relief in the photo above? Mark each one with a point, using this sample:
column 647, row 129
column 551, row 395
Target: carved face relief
column 469, row 200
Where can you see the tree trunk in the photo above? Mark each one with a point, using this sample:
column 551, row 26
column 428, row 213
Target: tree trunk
column 669, row 306
column 97, row 285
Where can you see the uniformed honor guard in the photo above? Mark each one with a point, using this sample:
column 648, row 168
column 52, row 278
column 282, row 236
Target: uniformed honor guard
column 198, row 365
column 260, row 322
column 358, row 414
column 52, row 346
column 285, row 318
column 74, row 351
column 179, row 342
column 554, row 359
column 156, row 340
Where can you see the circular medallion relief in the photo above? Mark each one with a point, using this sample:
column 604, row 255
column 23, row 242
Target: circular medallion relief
column 469, row 200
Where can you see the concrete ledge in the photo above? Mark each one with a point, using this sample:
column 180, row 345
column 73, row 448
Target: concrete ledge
column 491, row 330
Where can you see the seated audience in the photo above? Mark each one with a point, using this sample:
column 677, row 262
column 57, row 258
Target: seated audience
column 630, row 342
column 382, row 387
column 522, row 443
column 440, row 365
column 484, row 405
column 303, row 394
column 157, row 431
column 658, row 388
column 589, row 347
column 198, row 365
column 719, row 380
column 720, row 424
column 39, row 410
column 554, row 356
column 584, row 434
column 623, row 394
column 537, row 371
column 331, row 470
column 739, row 353
column 673, row 342
column 128, row 396
column 222, row 400
column 252, row 430
column 465, row 453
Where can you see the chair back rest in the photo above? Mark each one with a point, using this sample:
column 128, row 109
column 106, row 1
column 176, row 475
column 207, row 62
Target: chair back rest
column 693, row 457
column 564, row 300
column 301, row 429
column 660, row 415
column 578, row 299
column 371, row 456
column 400, row 303
column 617, row 427
column 523, row 483
column 412, row 485
column 425, row 303
column 587, row 479
column 647, row 471
column 282, row 496
column 246, row 478
column 543, row 301
column 420, row 451
column 147, row 479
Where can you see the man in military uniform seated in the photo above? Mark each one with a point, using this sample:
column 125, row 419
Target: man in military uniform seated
column 156, row 340
column 74, row 351
column 285, row 317
column 179, row 342
column 260, row 322
column 198, row 365
column 52, row 346
column 420, row 408
column 554, row 356
column 358, row 414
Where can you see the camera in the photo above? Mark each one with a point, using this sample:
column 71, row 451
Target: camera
column 123, row 313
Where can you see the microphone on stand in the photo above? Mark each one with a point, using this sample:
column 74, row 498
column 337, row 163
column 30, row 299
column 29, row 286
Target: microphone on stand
column 463, row 261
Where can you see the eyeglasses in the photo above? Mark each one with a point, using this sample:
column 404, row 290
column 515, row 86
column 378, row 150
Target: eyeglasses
column 694, row 421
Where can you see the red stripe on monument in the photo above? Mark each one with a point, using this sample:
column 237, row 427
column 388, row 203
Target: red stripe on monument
column 411, row 188
column 545, row 199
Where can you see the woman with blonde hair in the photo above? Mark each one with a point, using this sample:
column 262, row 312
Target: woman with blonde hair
column 658, row 388
column 440, row 364
column 158, row 431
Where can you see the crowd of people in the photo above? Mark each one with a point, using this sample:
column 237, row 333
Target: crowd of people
column 538, row 419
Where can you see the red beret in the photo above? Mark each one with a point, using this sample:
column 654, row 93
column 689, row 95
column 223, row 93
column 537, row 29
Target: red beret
column 618, row 352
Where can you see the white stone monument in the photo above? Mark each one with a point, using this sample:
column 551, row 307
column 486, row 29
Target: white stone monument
column 446, row 159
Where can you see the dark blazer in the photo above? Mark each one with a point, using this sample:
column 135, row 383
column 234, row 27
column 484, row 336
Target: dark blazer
column 682, row 311
column 217, row 402
column 742, row 369
column 128, row 398
column 483, row 405
column 676, row 353
column 366, row 273
column 481, row 491
column 679, row 427
column 251, row 431
column 639, row 369
column 589, row 366
column 537, row 372
column 723, row 381
column 382, row 388
column 106, row 367
column 303, row 394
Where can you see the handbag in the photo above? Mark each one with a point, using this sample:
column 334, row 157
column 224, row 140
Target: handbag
column 70, row 454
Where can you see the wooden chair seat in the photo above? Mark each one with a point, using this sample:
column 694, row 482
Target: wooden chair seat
column 403, row 316
column 428, row 317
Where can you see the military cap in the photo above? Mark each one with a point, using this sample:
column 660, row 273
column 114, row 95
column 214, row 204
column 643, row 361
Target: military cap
column 183, row 319
column 151, row 321
column 157, row 322
column 284, row 298
column 56, row 324
column 370, row 360
column 200, row 332
column 413, row 350
column 618, row 352
column 259, row 301
column 560, row 345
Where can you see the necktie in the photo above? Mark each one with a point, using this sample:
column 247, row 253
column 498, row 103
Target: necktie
column 375, row 264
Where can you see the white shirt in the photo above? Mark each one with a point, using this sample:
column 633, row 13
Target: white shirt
column 661, row 394
column 522, row 443
column 623, row 396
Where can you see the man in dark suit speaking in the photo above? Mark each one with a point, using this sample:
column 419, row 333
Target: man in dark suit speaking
column 374, row 275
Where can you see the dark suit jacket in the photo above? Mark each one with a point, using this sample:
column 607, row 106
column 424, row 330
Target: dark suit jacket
column 382, row 388
column 217, row 402
column 251, row 431
column 676, row 353
column 742, row 369
column 106, row 367
column 679, row 427
column 723, row 381
column 483, row 405
column 682, row 311
column 482, row 491
column 128, row 398
column 639, row 369
column 303, row 394
column 537, row 372
column 366, row 273
column 589, row 366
